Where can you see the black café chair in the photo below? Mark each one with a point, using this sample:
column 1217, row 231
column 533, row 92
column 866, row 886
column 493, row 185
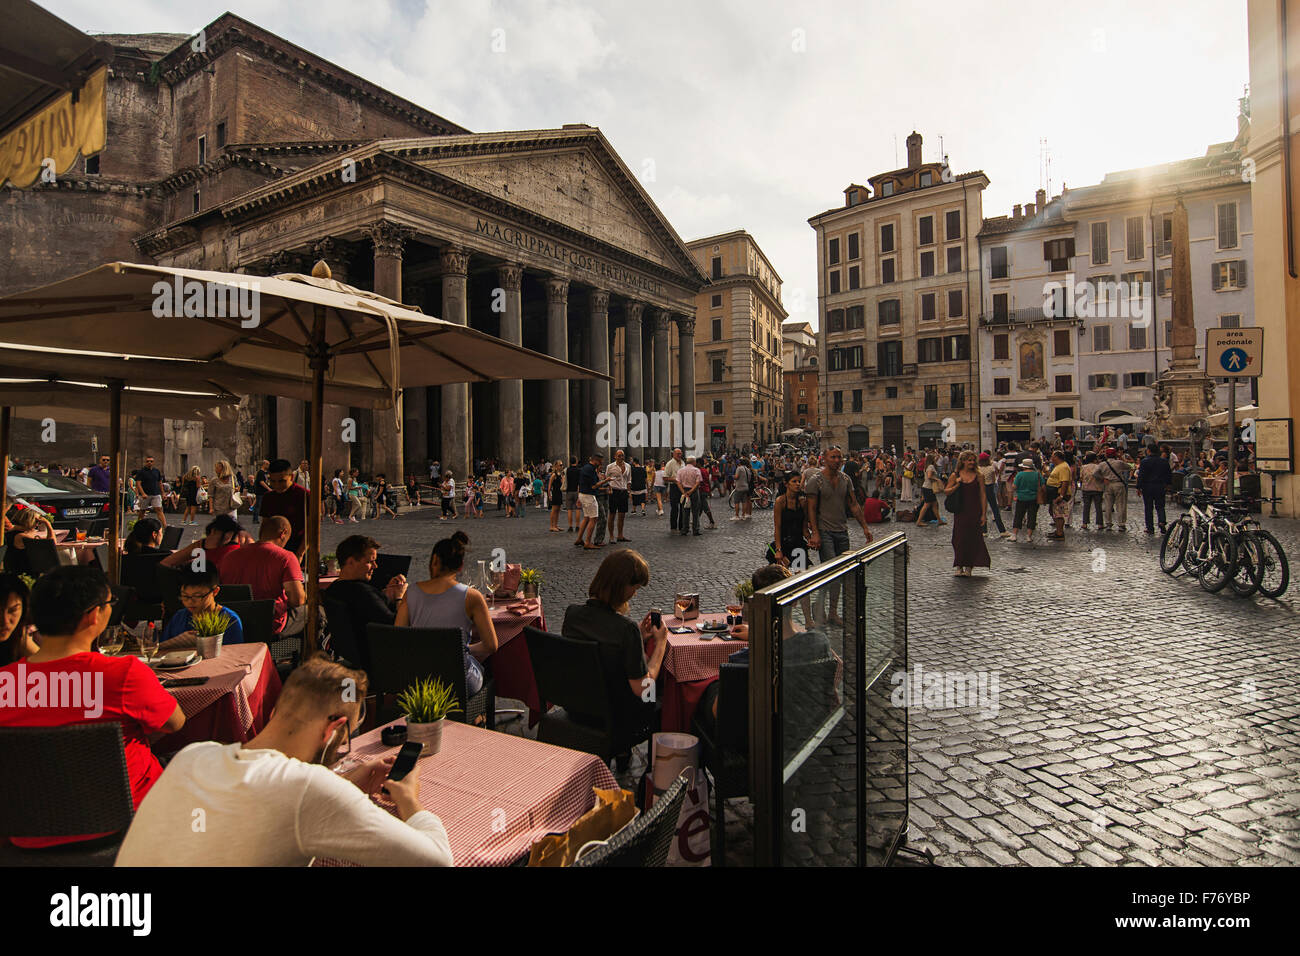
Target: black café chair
column 647, row 839
column 139, row 572
column 42, row 555
column 570, row 675
column 352, row 649
column 256, row 618
column 171, row 539
column 73, row 780
column 399, row 656
column 235, row 592
column 725, row 751
column 387, row 567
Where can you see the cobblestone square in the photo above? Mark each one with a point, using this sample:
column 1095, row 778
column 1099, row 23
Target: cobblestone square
column 1139, row 720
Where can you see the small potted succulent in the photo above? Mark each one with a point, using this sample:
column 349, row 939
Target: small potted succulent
column 426, row 704
column 210, row 627
column 530, row 580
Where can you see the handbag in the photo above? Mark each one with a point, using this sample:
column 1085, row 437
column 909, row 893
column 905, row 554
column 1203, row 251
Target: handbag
column 952, row 504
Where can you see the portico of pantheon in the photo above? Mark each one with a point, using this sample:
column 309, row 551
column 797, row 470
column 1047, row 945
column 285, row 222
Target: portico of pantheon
column 543, row 238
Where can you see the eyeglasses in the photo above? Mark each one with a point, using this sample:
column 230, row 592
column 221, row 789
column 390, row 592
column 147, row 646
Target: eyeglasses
column 110, row 603
column 186, row 598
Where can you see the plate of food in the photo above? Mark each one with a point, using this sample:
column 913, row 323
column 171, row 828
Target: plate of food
column 174, row 660
column 713, row 627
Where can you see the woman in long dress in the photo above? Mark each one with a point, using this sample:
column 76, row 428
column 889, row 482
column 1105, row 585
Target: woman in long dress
column 968, row 548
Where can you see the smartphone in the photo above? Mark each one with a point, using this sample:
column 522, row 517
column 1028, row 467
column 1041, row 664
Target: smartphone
column 656, row 617
column 184, row 681
column 406, row 759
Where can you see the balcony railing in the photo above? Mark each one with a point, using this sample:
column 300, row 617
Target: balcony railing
column 1013, row 317
column 904, row 371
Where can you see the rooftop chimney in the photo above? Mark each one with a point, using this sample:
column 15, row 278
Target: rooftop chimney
column 914, row 150
column 1015, row 211
column 1029, row 210
column 1041, row 198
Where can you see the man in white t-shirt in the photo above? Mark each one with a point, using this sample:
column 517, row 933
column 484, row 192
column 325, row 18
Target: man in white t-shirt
column 619, row 474
column 274, row 801
column 674, row 493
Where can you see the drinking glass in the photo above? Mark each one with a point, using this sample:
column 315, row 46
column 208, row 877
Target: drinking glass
column 681, row 606
column 149, row 644
column 733, row 613
column 111, row 641
column 495, row 580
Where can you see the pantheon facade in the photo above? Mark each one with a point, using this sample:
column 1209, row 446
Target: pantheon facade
column 245, row 153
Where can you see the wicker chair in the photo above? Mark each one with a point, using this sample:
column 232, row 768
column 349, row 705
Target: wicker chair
column 646, row 840
column 65, row 781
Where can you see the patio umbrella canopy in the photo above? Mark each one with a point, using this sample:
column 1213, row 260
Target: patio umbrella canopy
column 1244, row 411
column 284, row 335
column 1072, row 423
column 1123, row 420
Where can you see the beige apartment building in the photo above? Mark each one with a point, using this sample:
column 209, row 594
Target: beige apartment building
column 898, row 292
column 737, row 343
column 799, row 370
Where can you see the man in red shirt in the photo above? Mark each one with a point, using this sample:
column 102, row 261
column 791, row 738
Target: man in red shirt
column 68, row 682
column 286, row 500
column 272, row 573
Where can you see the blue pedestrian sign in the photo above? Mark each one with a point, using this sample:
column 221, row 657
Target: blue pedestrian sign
column 1234, row 353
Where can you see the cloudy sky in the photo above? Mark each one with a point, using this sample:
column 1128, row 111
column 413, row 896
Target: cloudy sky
column 756, row 114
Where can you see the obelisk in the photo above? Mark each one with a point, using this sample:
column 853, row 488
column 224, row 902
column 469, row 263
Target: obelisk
column 1183, row 393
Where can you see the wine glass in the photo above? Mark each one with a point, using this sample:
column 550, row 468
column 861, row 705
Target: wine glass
column 495, row 580
column 149, row 644
column 733, row 612
column 682, row 604
column 111, row 641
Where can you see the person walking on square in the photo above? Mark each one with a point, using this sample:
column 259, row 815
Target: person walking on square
column 990, row 475
column 968, row 549
column 830, row 500
column 660, row 488
column 674, row 491
column 1093, row 486
column 1153, row 477
column 1114, row 473
column 688, row 484
column 619, row 477
column 1028, row 482
column 1059, row 491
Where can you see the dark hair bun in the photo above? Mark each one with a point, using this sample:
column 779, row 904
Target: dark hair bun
column 461, row 538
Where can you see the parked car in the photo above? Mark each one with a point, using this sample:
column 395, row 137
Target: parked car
column 67, row 502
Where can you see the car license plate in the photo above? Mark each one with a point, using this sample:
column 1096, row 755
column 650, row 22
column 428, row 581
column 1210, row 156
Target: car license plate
column 80, row 512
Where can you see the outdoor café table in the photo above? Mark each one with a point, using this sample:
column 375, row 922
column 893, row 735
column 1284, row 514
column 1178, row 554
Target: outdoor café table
column 496, row 793
column 233, row 706
column 76, row 550
column 690, row 666
column 512, row 668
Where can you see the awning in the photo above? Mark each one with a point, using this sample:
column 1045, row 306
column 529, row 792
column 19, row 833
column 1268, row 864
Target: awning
column 52, row 93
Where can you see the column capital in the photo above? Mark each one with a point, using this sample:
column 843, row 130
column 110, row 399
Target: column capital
column 599, row 300
column 286, row 261
column 454, row 260
column 635, row 310
column 686, row 325
column 557, row 290
column 388, row 238
column 663, row 321
column 511, row 275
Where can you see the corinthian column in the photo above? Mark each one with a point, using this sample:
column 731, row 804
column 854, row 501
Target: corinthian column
column 557, row 390
column 388, row 239
column 599, row 357
column 511, row 408
column 632, row 363
column 455, row 398
column 663, row 376
column 686, row 369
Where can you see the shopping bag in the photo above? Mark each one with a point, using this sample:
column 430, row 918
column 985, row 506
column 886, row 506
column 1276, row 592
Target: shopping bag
column 692, row 845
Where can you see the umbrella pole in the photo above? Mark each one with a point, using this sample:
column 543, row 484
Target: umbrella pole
column 5, row 416
column 318, row 359
column 114, row 475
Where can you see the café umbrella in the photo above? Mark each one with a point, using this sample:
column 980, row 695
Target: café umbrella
column 83, row 403
column 289, row 335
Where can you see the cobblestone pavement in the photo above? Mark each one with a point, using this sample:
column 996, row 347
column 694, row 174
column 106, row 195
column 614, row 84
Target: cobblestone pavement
column 1139, row 720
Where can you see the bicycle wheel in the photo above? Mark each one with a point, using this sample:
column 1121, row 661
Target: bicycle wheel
column 1250, row 566
column 1173, row 547
column 1220, row 563
column 1276, row 573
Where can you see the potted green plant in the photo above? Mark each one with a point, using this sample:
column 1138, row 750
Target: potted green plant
column 530, row 580
column 210, row 627
column 744, row 591
column 426, row 704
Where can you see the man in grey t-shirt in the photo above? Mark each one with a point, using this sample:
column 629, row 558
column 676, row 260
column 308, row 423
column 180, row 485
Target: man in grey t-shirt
column 830, row 501
column 740, row 495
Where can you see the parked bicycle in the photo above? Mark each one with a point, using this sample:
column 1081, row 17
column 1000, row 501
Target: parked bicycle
column 1221, row 544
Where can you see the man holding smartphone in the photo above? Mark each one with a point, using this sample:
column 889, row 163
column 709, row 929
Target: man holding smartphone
column 274, row 801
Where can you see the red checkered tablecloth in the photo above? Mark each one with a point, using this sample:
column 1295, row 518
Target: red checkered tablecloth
column 235, row 671
column 689, row 658
column 497, row 794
